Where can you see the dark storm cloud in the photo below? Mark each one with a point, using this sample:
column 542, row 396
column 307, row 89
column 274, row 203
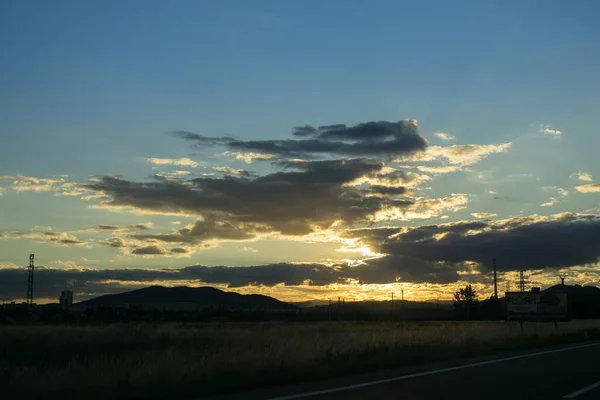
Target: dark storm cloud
column 203, row 230
column 519, row 243
column 290, row 202
column 89, row 283
column 380, row 138
column 387, row 190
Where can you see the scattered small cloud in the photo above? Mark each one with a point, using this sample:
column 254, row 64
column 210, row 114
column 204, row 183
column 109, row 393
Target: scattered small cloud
column 484, row 215
column 445, row 136
column 180, row 162
column 20, row 183
column 249, row 249
column 113, row 242
column 460, row 155
column 589, row 188
column 152, row 250
column 582, row 176
column 250, row 157
column 562, row 194
column 53, row 238
column 547, row 130
column 232, row 171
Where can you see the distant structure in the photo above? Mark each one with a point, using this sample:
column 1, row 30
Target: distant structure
column 562, row 278
column 521, row 281
column 66, row 300
column 536, row 289
column 30, row 281
column 495, row 280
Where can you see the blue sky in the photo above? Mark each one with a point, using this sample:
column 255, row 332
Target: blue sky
column 94, row 89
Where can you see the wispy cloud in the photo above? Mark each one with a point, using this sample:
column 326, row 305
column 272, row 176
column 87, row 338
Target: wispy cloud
column 20, row 183
column 547, row 130
column 180, row 162
column 250, row 157
column 445, row 136
column 484, row 215
column 562, row 194
column 582, row 176
column 459, row 155
column 50, row 237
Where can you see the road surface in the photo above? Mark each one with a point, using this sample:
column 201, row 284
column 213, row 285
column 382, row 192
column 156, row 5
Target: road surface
column 571, row 372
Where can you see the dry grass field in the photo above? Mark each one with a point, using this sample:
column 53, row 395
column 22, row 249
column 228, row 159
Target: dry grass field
column 152, row 360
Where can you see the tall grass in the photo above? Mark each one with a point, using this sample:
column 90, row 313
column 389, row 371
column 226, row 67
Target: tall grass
column 192, row 359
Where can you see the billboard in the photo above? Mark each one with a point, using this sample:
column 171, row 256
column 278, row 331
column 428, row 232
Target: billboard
column 536, row 306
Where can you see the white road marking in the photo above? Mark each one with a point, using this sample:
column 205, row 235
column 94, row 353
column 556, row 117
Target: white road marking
column 426, row 373
column 582, row 391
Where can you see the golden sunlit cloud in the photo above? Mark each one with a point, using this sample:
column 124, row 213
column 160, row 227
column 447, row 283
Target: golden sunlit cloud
column 582, row 176
column 444, row 136
column 180, row 162
column 589, row 188
column 484, row 215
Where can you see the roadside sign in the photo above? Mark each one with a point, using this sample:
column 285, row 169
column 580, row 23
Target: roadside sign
column 534, row 306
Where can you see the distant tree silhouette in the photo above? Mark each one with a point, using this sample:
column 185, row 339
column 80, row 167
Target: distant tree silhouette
column 466, row 304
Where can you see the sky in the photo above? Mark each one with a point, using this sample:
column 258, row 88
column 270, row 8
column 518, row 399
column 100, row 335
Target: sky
column 303, row 150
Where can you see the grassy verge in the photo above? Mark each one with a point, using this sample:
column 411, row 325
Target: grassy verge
column 151, row 360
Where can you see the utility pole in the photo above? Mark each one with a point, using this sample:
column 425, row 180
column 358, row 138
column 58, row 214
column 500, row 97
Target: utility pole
column 339, row 308
column 521, row 281
column 30, row 281
column 330, row 309
column 402, row 303
column 562, row 279
column 495, row 280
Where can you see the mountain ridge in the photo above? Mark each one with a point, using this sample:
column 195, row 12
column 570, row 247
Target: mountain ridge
column 201, row 296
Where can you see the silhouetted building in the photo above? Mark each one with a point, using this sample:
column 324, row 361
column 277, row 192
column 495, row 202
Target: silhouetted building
column 66, row 300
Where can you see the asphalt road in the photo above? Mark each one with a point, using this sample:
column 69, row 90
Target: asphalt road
column 571, row 372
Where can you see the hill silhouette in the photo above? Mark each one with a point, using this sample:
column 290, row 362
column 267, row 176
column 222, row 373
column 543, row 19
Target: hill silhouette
column 583, row 301
column 199, row 297
column 575, row 290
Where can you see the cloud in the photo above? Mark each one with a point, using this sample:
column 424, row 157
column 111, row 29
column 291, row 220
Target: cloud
column 251, row 157
column 445, row 136
column 180, row 162
column 562, row 194
column 232, row 171
column 459, row 155
column 589, row 188
column 546, row 130
column 534, row 242
column 427, row 254
column 150, row 250
column 119, row 228
column 113, row 242
column 22, row 183
column 380, row 138
column 443, row 169
column 483, row 215
column 205, row 230
column 179, row 250
column 265, row 202
column 582, row 176
column 53, row 238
